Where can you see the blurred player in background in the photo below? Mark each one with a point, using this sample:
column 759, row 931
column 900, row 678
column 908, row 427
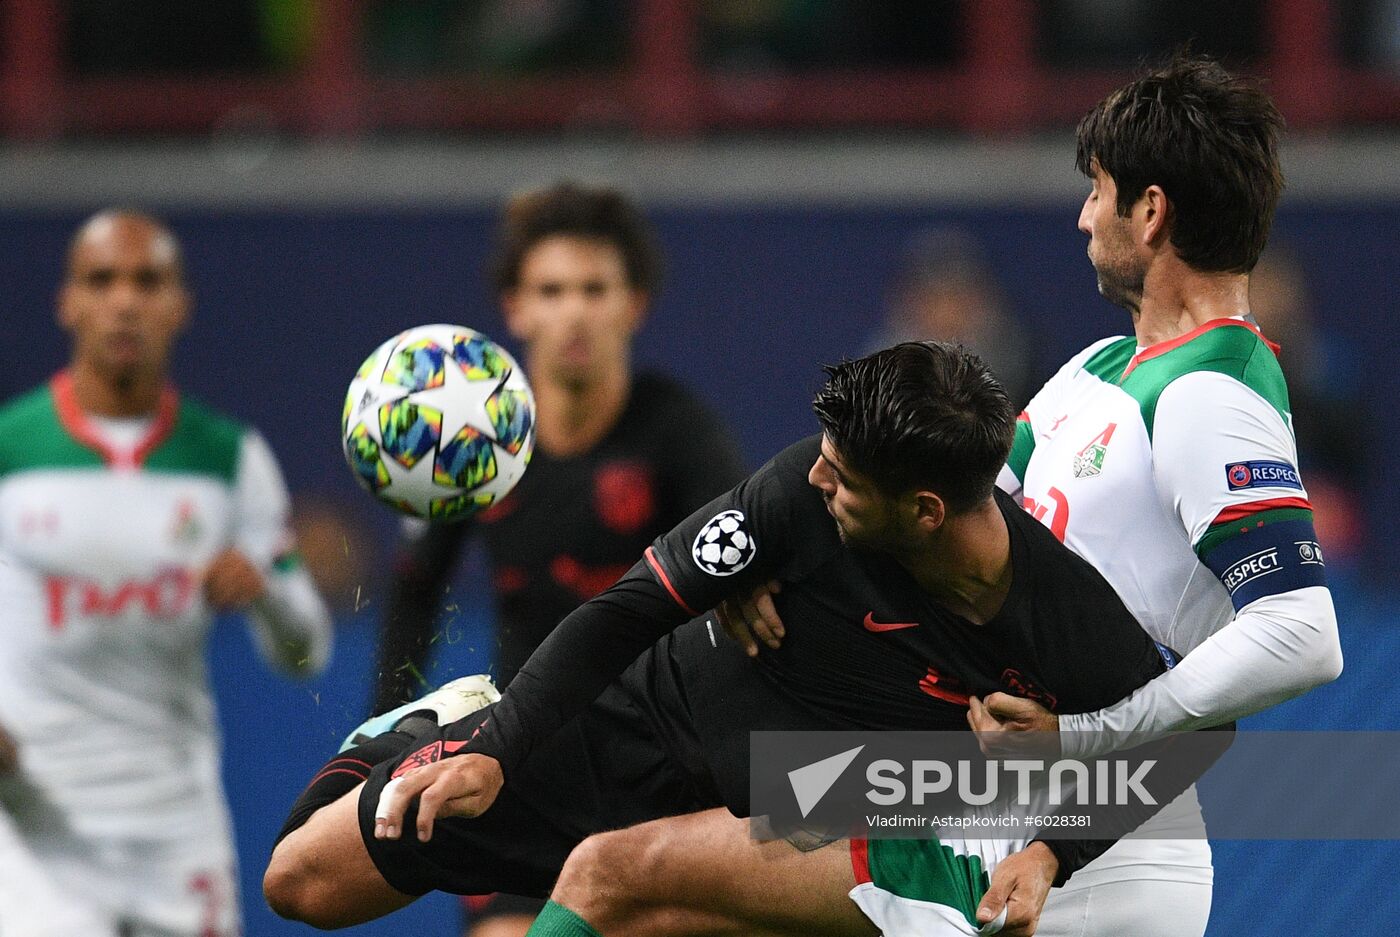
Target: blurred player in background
column 1167, row 459
column 619, row 457
column 1331, row 412
column 945, row 290
column 128, row 517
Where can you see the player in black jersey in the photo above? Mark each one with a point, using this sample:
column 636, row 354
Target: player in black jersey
column 909, row 602
column 619, row 458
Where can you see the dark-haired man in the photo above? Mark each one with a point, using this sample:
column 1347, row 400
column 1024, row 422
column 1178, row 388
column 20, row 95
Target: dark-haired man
column 889, row 516
column 620, row 457
column 1167, row 459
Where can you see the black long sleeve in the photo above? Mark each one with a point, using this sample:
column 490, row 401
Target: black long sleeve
column 586, row 652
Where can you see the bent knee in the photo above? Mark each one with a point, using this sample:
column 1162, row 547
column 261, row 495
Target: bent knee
column 293, row 889
column 284, row 887
column 602, row 880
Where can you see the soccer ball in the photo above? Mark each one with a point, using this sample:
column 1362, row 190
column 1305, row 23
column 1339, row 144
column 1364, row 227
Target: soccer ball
column 439, row 422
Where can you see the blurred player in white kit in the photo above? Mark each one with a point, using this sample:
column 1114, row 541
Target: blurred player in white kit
column 128, row 517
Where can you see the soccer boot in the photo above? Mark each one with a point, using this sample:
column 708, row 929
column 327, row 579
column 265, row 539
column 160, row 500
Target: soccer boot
column 448, row 703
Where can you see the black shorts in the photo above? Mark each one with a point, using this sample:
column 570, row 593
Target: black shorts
column 627, row 759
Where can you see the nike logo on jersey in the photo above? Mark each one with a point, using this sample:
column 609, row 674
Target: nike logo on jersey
column 881, row 626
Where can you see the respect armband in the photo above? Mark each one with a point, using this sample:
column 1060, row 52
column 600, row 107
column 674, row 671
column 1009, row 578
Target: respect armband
column 1268, row 560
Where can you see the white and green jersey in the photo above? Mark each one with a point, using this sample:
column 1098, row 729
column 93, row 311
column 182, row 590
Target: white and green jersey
column 1173, row 470
column 106, row 528
column 1127, row 456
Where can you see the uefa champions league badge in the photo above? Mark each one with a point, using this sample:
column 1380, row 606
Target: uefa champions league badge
column 724, row 546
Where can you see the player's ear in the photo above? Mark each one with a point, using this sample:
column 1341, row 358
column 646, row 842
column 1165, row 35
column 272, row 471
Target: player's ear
column 638, row 302
column 184, row 303
column 929, row 511
column 1155, row 210
column 65, row 311
column 515, row 316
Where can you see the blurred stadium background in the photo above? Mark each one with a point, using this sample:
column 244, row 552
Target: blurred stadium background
column 333, row 167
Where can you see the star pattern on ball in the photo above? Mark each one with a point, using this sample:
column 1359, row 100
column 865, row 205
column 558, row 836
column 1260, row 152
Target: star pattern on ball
column 439, row 423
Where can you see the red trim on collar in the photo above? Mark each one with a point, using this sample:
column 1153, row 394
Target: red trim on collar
column 75, row 421
column 1161, row 348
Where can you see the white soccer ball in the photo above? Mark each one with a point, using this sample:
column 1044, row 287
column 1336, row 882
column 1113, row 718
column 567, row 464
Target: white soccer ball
column 439, row 422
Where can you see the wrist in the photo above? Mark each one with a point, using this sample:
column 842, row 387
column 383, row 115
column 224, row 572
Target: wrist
column 1076, row 733
column 1062, row 851
column 1047, row 860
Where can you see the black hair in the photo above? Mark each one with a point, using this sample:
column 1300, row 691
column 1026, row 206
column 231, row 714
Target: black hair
column 1210, row 140
column 920, row 415
column 571, row 209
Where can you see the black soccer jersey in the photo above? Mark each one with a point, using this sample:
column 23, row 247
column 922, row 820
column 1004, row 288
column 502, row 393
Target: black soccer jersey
column 569, row 530
column 865, row 646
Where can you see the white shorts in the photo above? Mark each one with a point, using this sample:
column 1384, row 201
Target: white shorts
column 184, row 887
column 1127, row 907
column 150, row 887
column 931, row 888
column 31, row 902
column 1153, row 885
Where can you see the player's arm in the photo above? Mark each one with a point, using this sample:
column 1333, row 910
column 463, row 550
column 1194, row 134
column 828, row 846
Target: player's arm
column 1177, row 762
column 1102, row 654
column 422, row 569
column 597, row 641
column 291, row 625
column 1252, row 528
column 676, row 579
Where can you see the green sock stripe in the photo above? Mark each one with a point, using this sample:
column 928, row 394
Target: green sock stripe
column 558, row 921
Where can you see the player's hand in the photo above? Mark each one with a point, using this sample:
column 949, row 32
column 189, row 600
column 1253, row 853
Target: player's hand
column 461, row 786
column 9, row 753
column 232, row 582
column 1020, row 885
column 751, row 618
column 1000, row 718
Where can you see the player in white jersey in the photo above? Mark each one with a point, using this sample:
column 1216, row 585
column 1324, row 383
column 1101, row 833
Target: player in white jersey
column 128, row 516
column 1167, row 459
